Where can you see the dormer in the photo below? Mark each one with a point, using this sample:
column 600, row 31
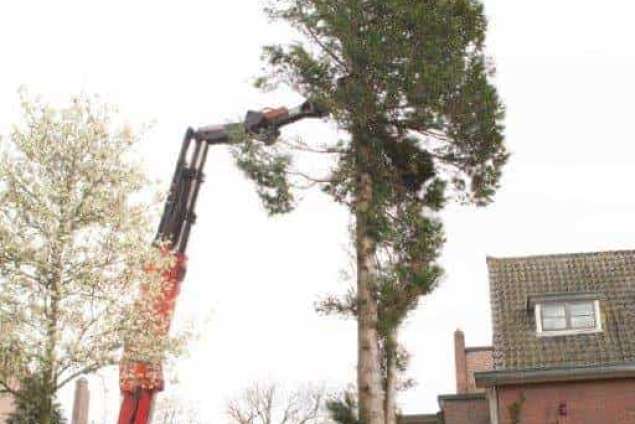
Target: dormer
column 563, row 310
column 566, row 314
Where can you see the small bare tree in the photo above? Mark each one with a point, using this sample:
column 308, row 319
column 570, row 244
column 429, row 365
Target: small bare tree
column 171, row 409
column 267, row 404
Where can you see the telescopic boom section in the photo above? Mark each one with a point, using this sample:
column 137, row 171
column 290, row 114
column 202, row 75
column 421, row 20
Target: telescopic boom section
column 140, row 381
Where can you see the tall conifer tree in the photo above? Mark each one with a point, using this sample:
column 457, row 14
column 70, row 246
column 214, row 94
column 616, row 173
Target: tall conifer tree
column 410, row 83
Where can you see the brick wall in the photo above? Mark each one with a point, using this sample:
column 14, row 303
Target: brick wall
column 460, row 362
column 81, row 402
column 594, row 402
column 6, row 407
column 459, row 409
column 467, row 361
column 478, row 359
column 418, row 419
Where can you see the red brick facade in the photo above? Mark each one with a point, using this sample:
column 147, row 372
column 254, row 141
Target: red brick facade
column 610, row 401
column 6, row 407
column 478, row 359
column 469, row 405
column 470, row 409
column 460, row 362
column 589, row 402
column 579, row 375
column 467, row 361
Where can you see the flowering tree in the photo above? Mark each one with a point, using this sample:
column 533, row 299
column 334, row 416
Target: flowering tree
column 29, row 407
column 75, row 248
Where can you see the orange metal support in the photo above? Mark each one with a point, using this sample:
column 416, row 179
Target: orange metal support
column 140, row 381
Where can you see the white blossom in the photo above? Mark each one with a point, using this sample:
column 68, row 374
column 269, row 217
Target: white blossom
column 76, row 245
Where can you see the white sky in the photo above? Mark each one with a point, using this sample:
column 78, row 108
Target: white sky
column 565, row 72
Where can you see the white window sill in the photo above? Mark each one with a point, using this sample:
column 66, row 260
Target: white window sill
column 568, row 332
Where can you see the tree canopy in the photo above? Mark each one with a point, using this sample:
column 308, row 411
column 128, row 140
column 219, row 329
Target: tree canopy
column 410, row 82
column 75, row 246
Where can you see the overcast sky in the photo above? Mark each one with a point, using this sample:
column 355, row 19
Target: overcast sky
column 565, row 72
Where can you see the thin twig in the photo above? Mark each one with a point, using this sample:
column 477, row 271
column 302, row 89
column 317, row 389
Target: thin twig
column 310, row 178
column 305, row 148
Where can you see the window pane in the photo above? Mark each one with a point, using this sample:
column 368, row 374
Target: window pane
column 583, row 322
column 552, row 310
column 578, row 309
column 558, row 323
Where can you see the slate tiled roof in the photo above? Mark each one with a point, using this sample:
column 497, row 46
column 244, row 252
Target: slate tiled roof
column 513, row 280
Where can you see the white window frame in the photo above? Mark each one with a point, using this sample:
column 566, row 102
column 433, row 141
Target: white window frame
column 570, row 331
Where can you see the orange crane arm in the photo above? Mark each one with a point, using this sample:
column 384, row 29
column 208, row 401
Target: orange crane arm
column 140, row 381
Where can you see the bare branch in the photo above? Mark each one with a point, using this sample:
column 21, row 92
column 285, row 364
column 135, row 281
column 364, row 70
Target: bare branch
column 265, row 405
column 309, row 178
column 299, row 145
column 309, row 31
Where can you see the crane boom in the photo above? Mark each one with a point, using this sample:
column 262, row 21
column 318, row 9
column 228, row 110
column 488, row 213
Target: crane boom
column 140, row 381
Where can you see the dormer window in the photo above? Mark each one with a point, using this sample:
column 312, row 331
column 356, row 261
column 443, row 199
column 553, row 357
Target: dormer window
column 569, row 314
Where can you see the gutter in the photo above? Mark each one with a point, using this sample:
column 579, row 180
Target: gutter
column 479, row 349
column 552, row 375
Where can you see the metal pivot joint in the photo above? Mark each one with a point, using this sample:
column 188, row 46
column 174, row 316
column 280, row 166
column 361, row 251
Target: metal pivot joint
column 178, row 216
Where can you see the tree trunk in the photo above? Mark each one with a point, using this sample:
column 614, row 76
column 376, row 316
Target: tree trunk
column 49, row 380
column 368, row 370
column 390, row 404
column 49, row 374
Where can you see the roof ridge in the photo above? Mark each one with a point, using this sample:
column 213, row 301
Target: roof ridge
column 562, row 255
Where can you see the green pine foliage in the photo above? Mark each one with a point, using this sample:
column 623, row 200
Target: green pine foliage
column 267, row 169
column 342, row 408
column 410, row 82
column 33, row 404
column 410, row 77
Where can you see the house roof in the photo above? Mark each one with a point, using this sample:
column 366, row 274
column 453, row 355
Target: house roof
column 515, row 281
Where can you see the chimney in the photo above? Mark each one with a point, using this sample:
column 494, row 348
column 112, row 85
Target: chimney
column 460, row 362
column 80, row 405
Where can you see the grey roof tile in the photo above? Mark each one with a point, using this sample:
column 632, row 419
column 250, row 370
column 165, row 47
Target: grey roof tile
column 513, row 280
